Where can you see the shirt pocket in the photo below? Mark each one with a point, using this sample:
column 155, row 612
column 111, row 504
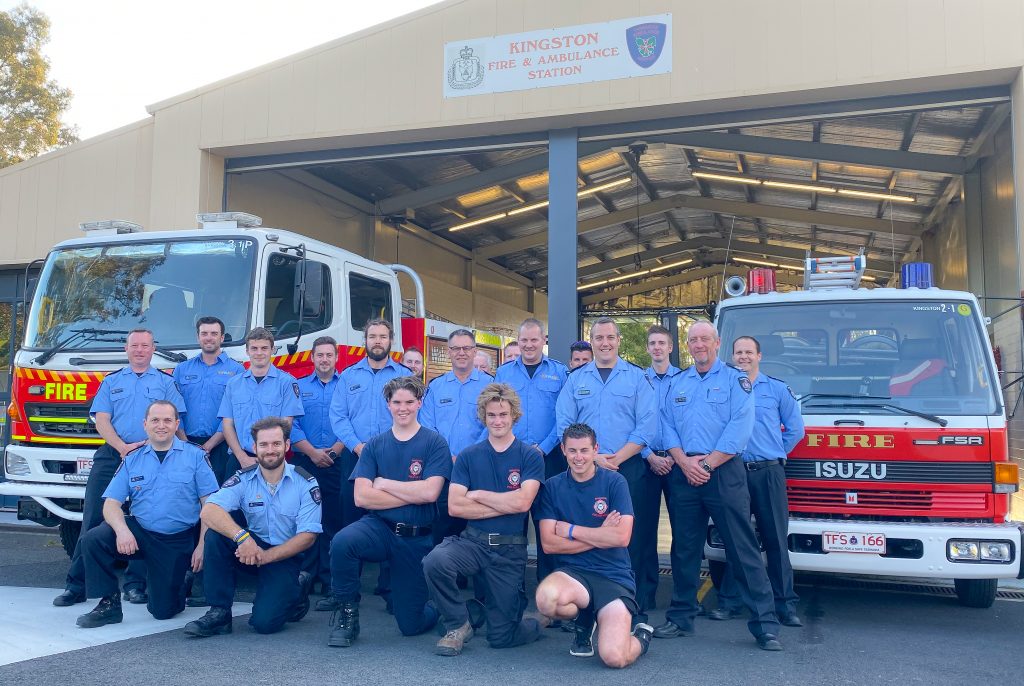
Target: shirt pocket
column 718, row 400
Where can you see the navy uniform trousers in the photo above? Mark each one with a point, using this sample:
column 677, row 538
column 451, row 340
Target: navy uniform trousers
column 277, row 589
column 768, row 502
column 501, row 567
column 106, row 460
column 726, row 499
column 645, row 492
column 164, row 557
column 371, row 540
column 317, row 559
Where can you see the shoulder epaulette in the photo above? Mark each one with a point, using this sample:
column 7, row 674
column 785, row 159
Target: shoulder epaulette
column 775, row 378
column 304, row 474
column 636, row 365
column 248, row 469
column 504, row 364
column 570, row 371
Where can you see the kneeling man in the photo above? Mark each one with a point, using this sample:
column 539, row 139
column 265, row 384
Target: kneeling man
column 493, row 485
column 586, row 520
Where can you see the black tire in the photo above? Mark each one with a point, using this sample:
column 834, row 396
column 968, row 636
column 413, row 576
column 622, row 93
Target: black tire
column 69, row 532
column 976, row 592
column 716, row 569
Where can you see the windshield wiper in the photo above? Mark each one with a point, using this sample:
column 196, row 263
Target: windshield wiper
column 170, row 354
column 888, row 406
column 76, row 335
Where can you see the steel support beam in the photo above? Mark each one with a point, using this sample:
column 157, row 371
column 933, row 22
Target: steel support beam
column 432, row 195
column 740, row 209
column 678, row 279
column 563, row 304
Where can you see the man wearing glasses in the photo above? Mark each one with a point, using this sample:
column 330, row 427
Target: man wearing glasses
column 449, row 408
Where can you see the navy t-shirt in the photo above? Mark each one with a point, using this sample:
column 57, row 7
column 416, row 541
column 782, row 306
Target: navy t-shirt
column 482, row 468
column 424, row 455
column 587, row 504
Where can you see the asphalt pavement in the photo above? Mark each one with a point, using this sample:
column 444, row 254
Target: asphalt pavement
column 851, row 636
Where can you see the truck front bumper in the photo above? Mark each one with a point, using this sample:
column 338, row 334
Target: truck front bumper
column 912, row 549
column 27, row 476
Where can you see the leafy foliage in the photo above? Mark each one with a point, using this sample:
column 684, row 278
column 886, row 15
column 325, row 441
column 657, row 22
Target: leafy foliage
column 31, row 104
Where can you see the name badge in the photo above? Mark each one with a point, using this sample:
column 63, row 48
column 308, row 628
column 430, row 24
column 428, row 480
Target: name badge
column 582, row 391
column 138, row 478
column 680, row 399
column 114, row 391
column 256, row 503
column 354, row 388
column 444, row 401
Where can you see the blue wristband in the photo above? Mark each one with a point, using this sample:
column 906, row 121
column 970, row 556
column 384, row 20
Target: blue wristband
column 571, row 527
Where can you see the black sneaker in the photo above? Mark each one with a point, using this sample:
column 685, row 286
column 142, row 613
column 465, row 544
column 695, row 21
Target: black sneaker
column 344, row 626
column 302, row 605
column 583, row 641
column 217, row 620
column 643, row 633
column 107, row 611
column 68, row 598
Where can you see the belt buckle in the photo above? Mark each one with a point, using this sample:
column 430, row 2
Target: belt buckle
column 400, row 528
column 489, row 537
column 751, row 466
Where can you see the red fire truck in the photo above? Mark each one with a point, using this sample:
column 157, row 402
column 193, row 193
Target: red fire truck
column 904, row 469
column 93, row 290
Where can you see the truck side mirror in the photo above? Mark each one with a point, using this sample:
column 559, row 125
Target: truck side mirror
column 311, row 304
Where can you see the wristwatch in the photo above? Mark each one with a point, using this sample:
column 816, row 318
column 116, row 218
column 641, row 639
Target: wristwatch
column 705, row 466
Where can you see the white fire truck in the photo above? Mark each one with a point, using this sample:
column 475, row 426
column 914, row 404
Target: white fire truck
column 904, row 469
column 93, row 290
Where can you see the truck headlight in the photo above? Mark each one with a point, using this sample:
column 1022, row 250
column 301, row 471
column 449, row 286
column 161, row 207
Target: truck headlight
column 962, row 550
column 995, row 551
column 16, row 465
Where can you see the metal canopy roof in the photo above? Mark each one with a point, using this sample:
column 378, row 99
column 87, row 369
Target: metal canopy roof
column 920, row 154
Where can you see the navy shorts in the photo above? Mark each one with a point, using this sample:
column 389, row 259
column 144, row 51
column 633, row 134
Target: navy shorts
column 601, row 590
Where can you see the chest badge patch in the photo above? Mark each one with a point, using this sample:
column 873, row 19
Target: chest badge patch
column 513, row 479
column 745, row 384
column 416, row 469
column 600, row 507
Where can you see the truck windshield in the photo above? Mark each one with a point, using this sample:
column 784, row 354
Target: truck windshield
column 162, row 286
column 860, row 356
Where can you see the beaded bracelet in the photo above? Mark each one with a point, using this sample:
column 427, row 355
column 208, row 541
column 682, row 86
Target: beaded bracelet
column 241, row 536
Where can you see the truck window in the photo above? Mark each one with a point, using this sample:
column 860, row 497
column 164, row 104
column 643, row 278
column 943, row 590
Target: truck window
column 369, row 298
column 279, row 312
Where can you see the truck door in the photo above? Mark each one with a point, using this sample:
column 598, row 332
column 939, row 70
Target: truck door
column 370, row 294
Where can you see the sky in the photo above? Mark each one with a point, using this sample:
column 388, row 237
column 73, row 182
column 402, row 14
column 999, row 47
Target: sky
column 117, row 56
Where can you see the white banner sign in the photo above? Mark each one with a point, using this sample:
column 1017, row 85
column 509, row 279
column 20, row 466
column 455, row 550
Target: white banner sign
column 556, row 57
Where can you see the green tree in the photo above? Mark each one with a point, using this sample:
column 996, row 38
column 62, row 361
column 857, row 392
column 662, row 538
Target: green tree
column 31, row 104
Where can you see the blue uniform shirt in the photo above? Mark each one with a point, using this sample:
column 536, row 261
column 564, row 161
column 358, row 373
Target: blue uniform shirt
column 624, row 409
column 774, row 406
column 315, row 424
column 661, row 386
column 125, row 396
column 537, row 395
column 417, row 459
column 202, row 385
column 358, row 408
column 293, row 509
column 449, row 408
column 246, row 402
column 711, row 413
column 481, row 468
column 587, row 504
column 165, row 495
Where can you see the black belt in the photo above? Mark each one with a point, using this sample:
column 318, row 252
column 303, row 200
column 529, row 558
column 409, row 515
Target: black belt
column 403, row 530
column 755, row 465
column 661, row 453
column 494, row 539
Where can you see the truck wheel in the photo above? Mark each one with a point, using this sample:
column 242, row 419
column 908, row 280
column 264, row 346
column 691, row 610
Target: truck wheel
column 69, row 532
column 716, row 569
column 976, row 592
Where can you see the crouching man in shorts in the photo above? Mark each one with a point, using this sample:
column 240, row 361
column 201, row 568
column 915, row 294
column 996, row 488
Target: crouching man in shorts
column 586, row 519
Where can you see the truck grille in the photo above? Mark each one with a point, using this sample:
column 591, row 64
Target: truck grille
column 898, row 471
column 70, row 421
column 802, row 499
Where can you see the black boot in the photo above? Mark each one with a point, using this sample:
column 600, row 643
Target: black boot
column 68, row 598
column 217, row 620
column 344, row 626
column 107, row 611
column 302, row 604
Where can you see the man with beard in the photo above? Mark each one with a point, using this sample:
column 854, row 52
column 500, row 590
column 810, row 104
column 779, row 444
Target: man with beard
column 167, row 480
column 119, row 411
column 202, row 381
column 281, row 506
column 614, row 397
column 449, row 408
column 316, row 449
column 493, row 486
column 261, row 391
column 707, row 420
column 397, row 480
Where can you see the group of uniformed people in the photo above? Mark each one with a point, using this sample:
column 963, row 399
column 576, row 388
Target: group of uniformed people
column 437, row 484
